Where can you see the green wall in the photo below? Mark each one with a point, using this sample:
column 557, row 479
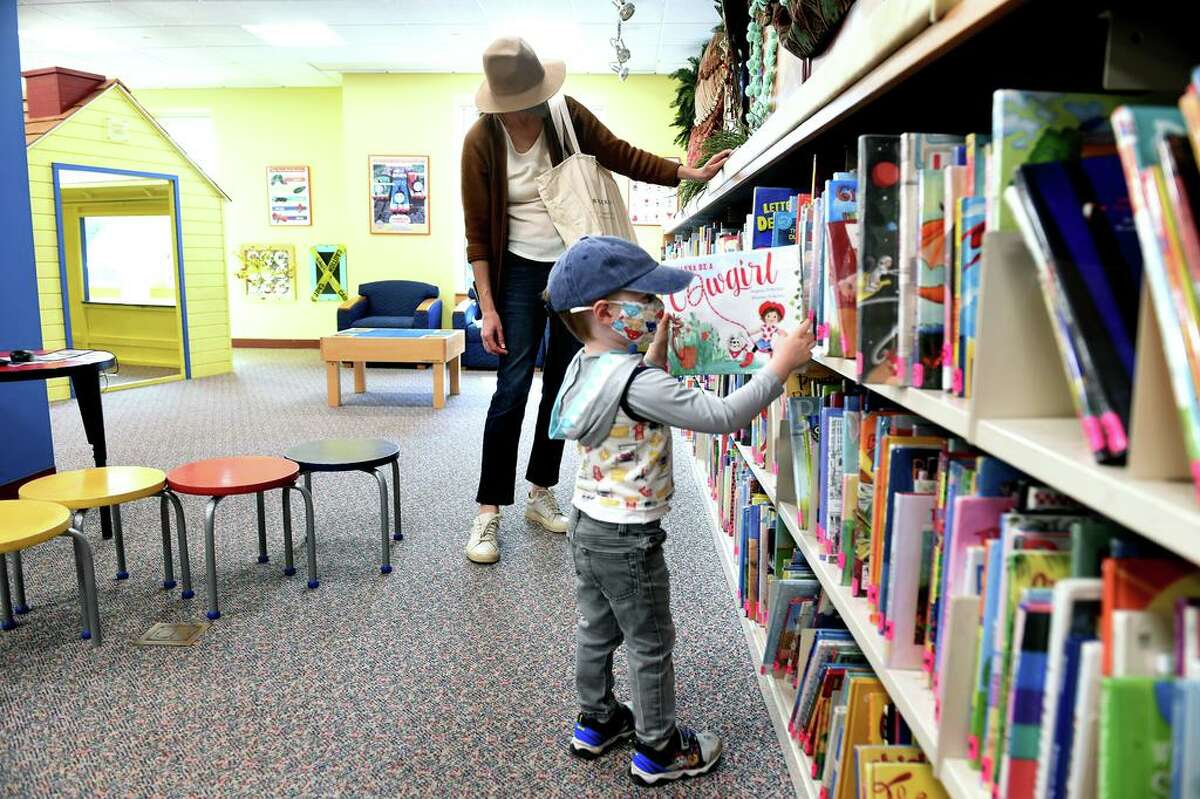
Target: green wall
column 333, row 131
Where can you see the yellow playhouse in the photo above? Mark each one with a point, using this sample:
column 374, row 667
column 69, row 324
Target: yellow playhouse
column 128, row 233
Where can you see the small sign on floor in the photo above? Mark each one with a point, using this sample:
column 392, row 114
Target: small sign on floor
column 168, row 634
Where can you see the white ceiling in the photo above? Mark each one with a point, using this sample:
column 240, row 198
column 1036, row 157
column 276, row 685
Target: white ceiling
column 182, row 43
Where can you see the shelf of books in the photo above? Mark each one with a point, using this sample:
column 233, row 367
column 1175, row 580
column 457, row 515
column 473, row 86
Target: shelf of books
column 966, row 541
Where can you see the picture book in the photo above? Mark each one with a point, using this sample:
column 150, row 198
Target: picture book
column 802, row 413
column 969, row 228
column 891, row 780
column 985, row 651
column 767, row 200
column 955, row 185
column 1031, row 632
column 1141, row 584
column 1035, row 127
column 730, row 315
column 1096, row 267
column 841, row 257
column 1189, row 107
column 1182, row 177
column 817, row 288
column 918, row 152
column 1136, row 128
column 879, row 269
column 1074, row 620
column 1185, row 736
column 785, row 593
column 783, row 228
column 860, row 730
column 1085, row 746
column 925, row 361
column 1135, row 737
column 836, row 740
column 851, row 446
column 1187, row 638
column 903, row 645
column 805, row 243
column 867, row 755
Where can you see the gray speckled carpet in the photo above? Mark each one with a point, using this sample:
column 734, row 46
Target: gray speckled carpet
column 443, row 678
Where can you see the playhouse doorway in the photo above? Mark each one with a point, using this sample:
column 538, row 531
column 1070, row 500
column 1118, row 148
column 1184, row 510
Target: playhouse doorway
column 121, row 271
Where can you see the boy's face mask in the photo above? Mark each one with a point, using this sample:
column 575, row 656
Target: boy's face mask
column 637, row 322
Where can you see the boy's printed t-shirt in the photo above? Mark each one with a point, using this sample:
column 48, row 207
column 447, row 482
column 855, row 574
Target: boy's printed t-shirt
column 626, row 470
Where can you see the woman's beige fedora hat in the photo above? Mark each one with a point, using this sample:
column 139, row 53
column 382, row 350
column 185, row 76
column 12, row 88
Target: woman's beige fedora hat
column 515, row 79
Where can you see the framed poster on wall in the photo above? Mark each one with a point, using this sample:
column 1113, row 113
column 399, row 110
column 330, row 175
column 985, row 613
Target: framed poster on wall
column 651, row 204
column 399, row 193
column 289, row 195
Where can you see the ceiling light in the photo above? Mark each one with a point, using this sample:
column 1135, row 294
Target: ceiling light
column 296, row 34
column 624, row 8
column 620, row 70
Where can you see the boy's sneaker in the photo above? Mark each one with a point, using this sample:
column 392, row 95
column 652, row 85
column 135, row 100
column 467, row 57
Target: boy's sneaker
column 482, row 546
column 592, row 739
column 542, row 509
column 689, row 754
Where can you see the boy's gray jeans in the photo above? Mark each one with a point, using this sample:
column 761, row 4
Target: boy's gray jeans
column 623, row 593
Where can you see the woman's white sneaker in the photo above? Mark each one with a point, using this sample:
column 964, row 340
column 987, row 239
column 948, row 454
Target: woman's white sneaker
column 542, row 509
column 482, row 546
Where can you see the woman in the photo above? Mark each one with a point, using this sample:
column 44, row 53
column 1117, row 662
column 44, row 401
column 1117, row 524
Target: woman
column 512, row 244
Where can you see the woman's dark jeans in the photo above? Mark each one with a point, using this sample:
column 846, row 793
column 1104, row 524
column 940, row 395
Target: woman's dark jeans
column 523, row 316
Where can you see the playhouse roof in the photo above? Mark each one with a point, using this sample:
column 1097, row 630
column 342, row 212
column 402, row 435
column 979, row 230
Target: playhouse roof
column 38, row 127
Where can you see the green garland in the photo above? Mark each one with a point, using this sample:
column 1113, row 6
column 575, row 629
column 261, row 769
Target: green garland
column 685, row 98
column 760, row 64
column 715, row 143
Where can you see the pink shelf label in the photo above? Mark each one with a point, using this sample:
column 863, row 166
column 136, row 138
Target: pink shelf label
column 972, row 747
column 927, row 661
column 889, row 631
column 841, row 560
column 1114, row 431
column 956, row 382
column 987, row 770
column 901, row 371
column 918, row 377
column 854, row 586
column 820, row 532
column 1093, row 433
column 947, row 351
column 871, row 594
column 845, row 342
column 858, row 364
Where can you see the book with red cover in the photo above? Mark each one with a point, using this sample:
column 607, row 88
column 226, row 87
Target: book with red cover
column 1146, row 584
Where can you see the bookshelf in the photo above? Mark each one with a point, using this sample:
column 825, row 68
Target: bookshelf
column 906, row 687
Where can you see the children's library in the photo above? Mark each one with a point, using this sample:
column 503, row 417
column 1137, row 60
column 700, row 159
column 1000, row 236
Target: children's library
column 728, row 398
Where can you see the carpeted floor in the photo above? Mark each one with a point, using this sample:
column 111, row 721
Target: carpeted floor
column 441, row 679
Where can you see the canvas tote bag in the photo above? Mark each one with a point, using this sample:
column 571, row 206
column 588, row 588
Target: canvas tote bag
column 581, row 196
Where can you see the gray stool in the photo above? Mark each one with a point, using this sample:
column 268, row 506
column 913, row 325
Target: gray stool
column 356, row 455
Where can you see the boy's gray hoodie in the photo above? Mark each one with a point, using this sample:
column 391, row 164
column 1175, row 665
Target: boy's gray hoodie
column 591, row 394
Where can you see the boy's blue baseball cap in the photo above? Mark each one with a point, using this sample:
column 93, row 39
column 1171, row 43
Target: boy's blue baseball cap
column 596, row 266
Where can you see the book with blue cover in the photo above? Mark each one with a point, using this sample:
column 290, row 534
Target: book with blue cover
column 783, row 228
column 969, row 228
column 1031, row 633
column 767, row 200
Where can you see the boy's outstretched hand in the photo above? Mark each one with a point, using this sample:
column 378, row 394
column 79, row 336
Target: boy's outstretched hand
column 657, row 354
column 792, row 352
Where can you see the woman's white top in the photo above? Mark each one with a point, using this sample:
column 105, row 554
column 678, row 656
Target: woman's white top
column 531, row 233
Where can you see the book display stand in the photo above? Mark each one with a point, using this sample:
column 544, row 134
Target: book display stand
column 1019, row 408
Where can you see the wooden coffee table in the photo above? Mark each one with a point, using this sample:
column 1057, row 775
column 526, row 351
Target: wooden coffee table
column 440, row 348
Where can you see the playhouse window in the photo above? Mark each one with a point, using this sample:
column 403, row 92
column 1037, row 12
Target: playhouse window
column 128, row 260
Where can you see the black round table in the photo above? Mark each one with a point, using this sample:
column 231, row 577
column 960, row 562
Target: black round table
column 83, row 371
column 355, row 455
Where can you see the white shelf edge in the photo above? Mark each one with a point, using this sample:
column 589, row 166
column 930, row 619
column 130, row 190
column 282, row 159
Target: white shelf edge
column 960, row 780
column 1052, row 450
column 768, row 481
column 774, row 692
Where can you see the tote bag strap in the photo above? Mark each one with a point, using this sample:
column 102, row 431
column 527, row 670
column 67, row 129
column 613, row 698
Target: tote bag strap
column 562, row 123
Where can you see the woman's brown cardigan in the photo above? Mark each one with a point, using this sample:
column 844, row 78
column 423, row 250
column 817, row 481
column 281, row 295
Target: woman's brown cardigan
column 485, row 177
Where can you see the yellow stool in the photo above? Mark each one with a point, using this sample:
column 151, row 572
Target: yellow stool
column 25, row 523
column 112, row 486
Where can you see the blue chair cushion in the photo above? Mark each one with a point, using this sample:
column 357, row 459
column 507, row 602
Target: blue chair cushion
column 384, row 321
column 396, row 297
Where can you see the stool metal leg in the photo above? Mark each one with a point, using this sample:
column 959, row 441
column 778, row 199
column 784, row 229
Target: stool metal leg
column 164, row 513
column 288, row 568
column 385, row 562
column 86, row 570
column 399, row 534
column 6, row 622
column 210, row 557
column 118, row 534
column 85, row 608
column 185, row 560
column 260, row 501
column 22, row 605
column 311, row 535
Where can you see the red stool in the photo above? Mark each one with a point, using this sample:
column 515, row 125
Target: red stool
column 251, row 474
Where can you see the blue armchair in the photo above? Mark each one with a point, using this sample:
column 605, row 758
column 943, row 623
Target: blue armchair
column 467, row 318
column 392, row 303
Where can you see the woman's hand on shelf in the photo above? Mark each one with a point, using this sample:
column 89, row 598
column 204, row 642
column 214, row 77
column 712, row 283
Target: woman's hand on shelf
column 705, row 173
column 493, row 334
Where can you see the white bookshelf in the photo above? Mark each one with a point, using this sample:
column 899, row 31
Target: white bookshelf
column 907, row 687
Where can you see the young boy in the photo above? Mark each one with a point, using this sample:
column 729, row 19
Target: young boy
column 620, row 407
